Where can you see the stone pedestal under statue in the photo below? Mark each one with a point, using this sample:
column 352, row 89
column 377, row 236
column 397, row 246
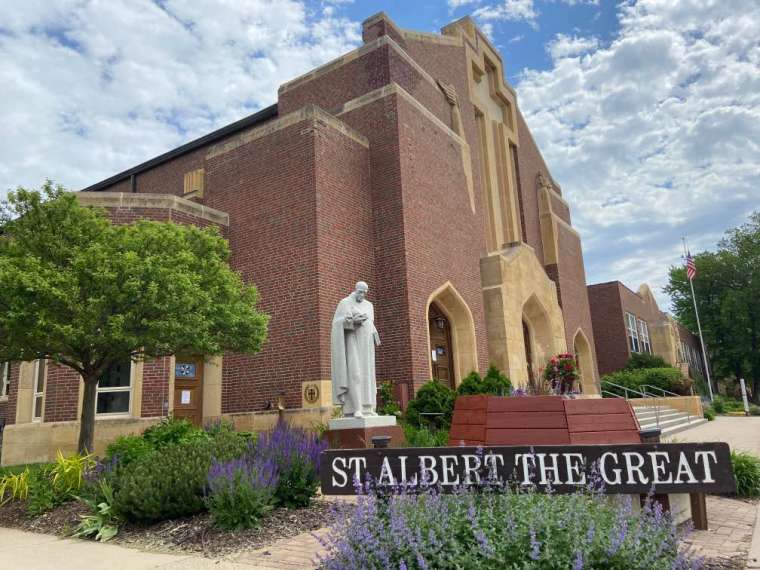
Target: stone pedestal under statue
column 357, row 433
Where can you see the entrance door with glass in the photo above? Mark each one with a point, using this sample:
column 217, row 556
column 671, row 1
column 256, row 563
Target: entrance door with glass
column 188, row 389
column 441, row 357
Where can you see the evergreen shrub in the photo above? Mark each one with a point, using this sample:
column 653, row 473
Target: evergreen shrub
column 494, row 383
column 641, row 360
column 432, row 398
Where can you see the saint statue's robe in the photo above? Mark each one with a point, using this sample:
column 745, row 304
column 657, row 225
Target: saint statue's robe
column 353, row 357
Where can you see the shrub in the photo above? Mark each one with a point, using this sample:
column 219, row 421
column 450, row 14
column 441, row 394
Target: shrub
column 432, row 398
column 165, row 483
column 14, row 487
column 388, row 404
column 171, row 431
column 747, row 473
column 709, row 414
column 723, row 405
column 424, row 437
column 502, row 530
column 641, row 360
column 494, row 383
column 128, row 448
column 754, row 410
column 102, row 524
column 295, row 454
column 666, row 378
column 42, row 494
column 719, row 406
column 240, row 492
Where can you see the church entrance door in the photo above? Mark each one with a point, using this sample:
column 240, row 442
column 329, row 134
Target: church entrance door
column 188, row 389
column 441, row 356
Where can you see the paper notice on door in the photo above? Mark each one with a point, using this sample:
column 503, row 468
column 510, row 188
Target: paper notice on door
column 185, row 398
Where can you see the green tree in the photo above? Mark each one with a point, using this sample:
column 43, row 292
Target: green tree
column 727, row 287
column 85, row 293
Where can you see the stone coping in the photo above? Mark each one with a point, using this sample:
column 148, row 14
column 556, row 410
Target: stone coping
column 152, row 201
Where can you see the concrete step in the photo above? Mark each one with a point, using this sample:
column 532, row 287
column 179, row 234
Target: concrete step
column 663, row 413
column 669, row 420
column 675, row 429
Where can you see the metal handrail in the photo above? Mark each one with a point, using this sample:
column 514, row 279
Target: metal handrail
column 625, row 389
column 640, row 393
column 660, row 389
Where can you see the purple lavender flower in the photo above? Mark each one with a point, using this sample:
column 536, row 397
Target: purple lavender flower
column 578, row 562
column 535, row 546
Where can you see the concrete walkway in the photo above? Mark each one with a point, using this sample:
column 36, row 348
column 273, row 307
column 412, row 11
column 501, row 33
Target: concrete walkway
column 740, row 433
column 28, row 550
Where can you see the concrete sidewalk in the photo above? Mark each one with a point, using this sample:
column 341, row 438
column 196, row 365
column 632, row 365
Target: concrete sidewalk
column 20, row 550
column 740, row 433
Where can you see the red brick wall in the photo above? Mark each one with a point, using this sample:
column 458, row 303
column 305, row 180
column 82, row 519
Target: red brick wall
column 155, row 387
column 609, row 328
column 61, row 394
column 268, row 188
column 443, row 241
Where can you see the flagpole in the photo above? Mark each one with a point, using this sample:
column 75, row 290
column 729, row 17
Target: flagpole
column 699, row 327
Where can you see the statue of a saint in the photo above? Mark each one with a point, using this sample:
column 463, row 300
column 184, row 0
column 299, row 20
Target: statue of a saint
column 353, row 341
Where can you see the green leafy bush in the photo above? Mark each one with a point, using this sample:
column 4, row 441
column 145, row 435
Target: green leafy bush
column 709, row 414
column 388, row 404
column 128, row 448
column 494, row 383
column 172, row 431
column 669, row 379
column 754, row 410
column 102, row 523
column 165, row 483
column 747, row 473
column 424, row 437
column 432, row 398
column 723, row 405
column 719, row 406
column 642, row 360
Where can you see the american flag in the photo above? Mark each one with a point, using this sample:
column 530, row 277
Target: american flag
column 691, row 267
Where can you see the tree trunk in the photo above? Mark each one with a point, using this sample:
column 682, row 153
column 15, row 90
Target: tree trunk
column 87, row 421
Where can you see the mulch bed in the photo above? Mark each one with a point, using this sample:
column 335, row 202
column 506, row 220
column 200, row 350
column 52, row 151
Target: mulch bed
column 194, row 534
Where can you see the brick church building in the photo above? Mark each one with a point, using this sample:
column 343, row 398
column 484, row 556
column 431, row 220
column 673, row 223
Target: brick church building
column 405, row 163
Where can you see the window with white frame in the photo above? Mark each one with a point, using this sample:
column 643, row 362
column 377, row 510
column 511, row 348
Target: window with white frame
column 5, row 379
column 38, row 396
column 646, row 346
column 115, row 390
column 633, row 333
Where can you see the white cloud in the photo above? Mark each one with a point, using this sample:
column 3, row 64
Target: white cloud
column 569, row 46
column 655, row 135
column 509, row 10
column 92, row 88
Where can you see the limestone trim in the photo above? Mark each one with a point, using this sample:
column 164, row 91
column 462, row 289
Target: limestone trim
column 353, row 55
column 432, row 38
column 453, row 305
column 549, row 222
column 582, row 347
column 516, row 288
column 152, row 201
column 312, row 113
column 24, row 392
column 212, row 388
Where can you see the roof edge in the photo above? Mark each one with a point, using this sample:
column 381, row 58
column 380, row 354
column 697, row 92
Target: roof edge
column 259, row 117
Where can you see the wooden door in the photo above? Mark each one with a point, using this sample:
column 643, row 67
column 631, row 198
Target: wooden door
column 188, row 389
column 441, row 356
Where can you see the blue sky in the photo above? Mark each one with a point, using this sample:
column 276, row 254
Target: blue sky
column 647, row 111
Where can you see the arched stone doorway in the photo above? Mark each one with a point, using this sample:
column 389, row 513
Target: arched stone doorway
column 585, row 361
column 540, row 332
column 441, row 347
column 449, row 317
